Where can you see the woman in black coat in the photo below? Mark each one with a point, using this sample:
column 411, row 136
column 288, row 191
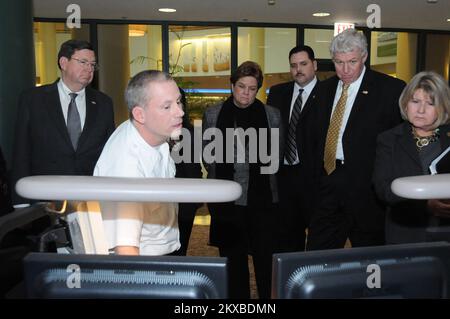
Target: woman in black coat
column 247, row 225
column 408, row 150
column 187, row 169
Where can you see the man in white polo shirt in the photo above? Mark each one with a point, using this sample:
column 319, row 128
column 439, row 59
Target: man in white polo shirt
column 139, row 148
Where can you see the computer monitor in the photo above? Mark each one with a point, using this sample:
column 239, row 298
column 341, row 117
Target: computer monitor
column 395, row 271
column 49, row 275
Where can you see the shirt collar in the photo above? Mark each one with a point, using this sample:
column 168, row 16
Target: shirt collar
column 308, row 87
column 67, row 91
column 356, row 84
column 162, row 149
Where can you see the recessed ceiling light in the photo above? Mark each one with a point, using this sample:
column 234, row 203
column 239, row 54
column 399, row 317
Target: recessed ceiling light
column 448, row 20
column 167, row 10
column 321, row 14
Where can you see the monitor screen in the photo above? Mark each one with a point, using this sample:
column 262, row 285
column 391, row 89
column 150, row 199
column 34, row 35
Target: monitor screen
column 395, row 271
column 49, row 275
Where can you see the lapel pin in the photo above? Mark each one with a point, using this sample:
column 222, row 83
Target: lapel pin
column 93, row 102
column 365, row 92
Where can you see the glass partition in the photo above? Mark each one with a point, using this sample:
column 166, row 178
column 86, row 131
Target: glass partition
column 145, row 47
column 200, row 62
column 48, row 37
column 269, row 47
column 438, row 54
column 319, row 40
column 394, row 53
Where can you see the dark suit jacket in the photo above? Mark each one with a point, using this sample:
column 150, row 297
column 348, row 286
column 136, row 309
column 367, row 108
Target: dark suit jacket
column 397, row 156
column 42, row 143
column 303, row 183
column 280, row 96
column 375, row 110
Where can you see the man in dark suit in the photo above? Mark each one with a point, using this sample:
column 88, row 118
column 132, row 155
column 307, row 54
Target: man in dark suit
column 62, row 127
column 351, row 109
column 294, row 100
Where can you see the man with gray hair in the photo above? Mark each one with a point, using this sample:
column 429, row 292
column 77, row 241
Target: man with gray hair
column 351, row 109
column 139, row 148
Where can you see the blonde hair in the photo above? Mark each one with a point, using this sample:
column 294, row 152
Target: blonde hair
column 435, row 86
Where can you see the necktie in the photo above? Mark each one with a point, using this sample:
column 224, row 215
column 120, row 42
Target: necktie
column 291, row 145
column 333, row 132
column 73, row 121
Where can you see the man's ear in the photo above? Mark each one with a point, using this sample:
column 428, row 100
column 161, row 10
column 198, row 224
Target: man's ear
column 63, row 62
column 315, row 65
column 364, row 58
column 138, row 114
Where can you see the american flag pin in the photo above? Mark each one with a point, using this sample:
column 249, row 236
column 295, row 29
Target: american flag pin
column 365, row 92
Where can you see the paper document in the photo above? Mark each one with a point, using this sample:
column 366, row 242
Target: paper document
column 441, row 164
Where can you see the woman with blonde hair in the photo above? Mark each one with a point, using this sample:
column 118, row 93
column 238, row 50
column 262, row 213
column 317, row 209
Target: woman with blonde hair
column 408, row 150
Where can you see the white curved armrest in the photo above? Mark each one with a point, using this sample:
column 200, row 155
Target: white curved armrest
column 423, row 187
column 87, row 188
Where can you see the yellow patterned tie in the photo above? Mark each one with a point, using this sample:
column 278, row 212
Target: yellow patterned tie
column 329, row 158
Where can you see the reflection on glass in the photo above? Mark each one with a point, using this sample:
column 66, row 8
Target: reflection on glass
column 269, row 47
column 394, row 53
column 319, row 40
column 145, row 48
column 200, row 62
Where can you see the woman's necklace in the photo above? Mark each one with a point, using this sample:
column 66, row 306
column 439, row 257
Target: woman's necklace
column 422, row 141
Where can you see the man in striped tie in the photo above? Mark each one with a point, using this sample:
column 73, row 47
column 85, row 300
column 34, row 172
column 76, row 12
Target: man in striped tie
column 294, row 99
column 351, row 109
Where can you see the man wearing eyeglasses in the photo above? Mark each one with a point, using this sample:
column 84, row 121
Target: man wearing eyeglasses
column 62, row 127
column 351, row 109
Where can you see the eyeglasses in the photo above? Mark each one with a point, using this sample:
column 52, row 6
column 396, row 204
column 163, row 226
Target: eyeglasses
column 84, row 63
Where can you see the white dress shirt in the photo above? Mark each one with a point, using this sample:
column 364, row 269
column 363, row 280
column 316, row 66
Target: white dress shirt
column 351, row 97
column 80, row 100
column 307, row 89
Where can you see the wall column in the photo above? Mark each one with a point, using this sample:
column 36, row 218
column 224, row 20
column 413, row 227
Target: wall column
column 17, row 69
column 114, row 60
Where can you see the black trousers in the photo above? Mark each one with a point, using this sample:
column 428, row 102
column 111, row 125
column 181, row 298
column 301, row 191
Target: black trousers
column 255, row 239
column 186, row 216
column 334, row 219
column 292, row 215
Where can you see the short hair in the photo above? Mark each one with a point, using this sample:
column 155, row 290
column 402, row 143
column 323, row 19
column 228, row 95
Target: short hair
column 248, row 68
column 136, row 92
column 347, row 41
column 69, row 47
column 438, row 90
column 302, row 48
